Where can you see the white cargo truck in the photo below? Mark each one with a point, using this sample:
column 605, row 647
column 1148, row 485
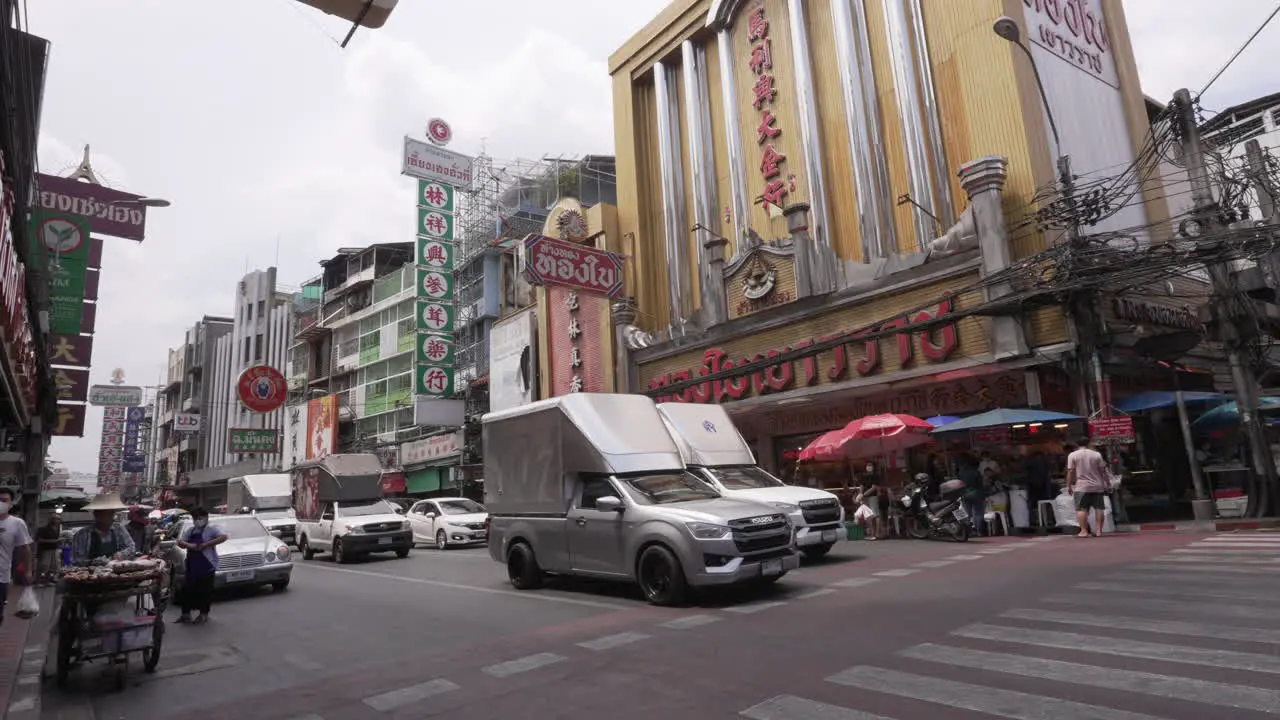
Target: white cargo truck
column 269, row 496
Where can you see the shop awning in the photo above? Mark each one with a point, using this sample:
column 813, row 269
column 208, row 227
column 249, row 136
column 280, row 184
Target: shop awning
column 1227, row 415
column 1164, row 398
column 1006, row 416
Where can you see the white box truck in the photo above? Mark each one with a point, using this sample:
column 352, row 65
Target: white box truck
column 269, row 496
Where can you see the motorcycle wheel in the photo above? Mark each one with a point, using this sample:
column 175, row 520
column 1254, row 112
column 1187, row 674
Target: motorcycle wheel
column 959, row 532
column 918, row 528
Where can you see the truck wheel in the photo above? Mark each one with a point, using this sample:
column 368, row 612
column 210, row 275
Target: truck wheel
column 402, row 553
column 661, row 577
column 522, row 567
column 813, row 552
column 308, row 553
column 339, row 555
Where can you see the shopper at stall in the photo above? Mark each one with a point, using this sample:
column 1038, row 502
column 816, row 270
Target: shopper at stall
column 201, row 543
column 1089, row 482
column 105, row 538
column 867, row 513
column 15, row 541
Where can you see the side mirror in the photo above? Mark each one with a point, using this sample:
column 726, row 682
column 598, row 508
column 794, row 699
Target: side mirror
column 277, row 533
column 431, row 514
column 610, row 503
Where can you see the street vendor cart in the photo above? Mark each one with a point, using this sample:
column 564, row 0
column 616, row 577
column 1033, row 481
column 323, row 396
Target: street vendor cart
column 110, row 610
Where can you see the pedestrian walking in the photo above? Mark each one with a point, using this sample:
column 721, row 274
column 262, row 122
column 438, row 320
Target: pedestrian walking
column 1089, row 482
column 975, row 493
column 201, row 543
column 48, row 540
column 15, row 542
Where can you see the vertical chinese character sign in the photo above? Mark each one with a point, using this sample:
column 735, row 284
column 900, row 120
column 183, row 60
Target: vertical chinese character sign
column 764, row 95
column 111, row 449
column 436, row 308
column 132, row 461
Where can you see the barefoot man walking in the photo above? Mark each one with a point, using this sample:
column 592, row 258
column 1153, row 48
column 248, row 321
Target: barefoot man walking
column 1088, row 481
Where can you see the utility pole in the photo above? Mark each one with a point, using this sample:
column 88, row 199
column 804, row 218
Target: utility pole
column 1083, row 304
column 1268, row 195
column 1224, row 307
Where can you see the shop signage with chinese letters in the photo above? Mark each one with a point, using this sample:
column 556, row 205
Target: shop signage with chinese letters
column 437, row 291
column 937, row 344
column 19, row 346
column 432, row 449
column 554, row 262
column 1111, row 430
column 70, row 350
column 70, row 420
column 760, row 61
column 73, row 385
column 434, row 380
column 575, row 341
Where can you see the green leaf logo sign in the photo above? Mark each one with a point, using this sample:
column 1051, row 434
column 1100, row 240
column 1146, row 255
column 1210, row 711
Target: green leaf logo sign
column 61, row 236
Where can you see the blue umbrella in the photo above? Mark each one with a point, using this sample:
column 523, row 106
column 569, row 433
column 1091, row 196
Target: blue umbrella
column 1227, row 415
column 940, row 420
column 1007, row 416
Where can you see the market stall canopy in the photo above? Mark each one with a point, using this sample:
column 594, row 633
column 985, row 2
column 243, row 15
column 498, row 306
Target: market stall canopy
column 940, row 420
column 1164, row 398
column 868, row 437
column 1227, row 415
column 1006, row 416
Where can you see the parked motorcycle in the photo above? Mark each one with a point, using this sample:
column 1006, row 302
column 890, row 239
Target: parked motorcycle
column 946, row 517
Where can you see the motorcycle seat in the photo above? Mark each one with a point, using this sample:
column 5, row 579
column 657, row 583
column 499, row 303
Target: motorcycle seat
column 936, row 506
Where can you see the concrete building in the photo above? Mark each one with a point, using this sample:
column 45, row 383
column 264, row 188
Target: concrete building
column 186, row 391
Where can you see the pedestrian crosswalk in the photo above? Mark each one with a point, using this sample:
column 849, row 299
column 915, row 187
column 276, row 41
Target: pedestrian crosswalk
column 1165, row 639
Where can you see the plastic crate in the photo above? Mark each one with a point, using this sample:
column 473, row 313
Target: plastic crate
column 854, row 531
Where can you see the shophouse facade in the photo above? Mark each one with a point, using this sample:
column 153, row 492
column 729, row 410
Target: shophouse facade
column 181, row 442
column 855, row 169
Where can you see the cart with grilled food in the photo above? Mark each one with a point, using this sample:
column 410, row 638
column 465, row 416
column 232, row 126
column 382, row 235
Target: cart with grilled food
column 112, row 609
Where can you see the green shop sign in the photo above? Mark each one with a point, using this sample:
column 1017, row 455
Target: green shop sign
column 63, row 241
column 252, row 440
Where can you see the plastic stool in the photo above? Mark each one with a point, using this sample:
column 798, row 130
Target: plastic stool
column 1045, row 514
column 991, row 519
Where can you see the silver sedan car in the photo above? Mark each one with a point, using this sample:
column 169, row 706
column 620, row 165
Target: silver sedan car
column 252, row 555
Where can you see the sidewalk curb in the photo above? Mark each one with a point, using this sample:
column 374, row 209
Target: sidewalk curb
column 24, row 701
column 1202, row 526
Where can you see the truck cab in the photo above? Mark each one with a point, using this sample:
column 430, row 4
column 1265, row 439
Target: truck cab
column 593, row 485
column 714, row 450
column 338, row 500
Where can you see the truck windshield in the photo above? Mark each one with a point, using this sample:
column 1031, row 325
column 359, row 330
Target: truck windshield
column 276, row 514
column 367, row 507
column 744, row 478
column 460, row 507
column 669, row 488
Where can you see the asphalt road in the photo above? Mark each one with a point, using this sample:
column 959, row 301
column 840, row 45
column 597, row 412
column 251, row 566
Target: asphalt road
column 1118, row 628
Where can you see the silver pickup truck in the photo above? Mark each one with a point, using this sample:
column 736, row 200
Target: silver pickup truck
column 594, row 485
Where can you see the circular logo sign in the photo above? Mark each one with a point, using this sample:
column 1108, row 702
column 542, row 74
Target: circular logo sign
column 61, row 236
column 262, row 388
column 439, row 132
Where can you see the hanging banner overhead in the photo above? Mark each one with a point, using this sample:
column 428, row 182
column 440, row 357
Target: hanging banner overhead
column 108, row 212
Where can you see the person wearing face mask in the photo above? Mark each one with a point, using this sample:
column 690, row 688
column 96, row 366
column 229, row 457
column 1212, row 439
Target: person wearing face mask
column 15, row 541
column 141, row 530
column 105, row 538
column 201, row 543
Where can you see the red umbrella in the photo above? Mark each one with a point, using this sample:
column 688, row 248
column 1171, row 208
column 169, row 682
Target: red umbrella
column 869, row 436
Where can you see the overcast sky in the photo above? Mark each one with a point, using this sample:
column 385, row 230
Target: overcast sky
column 277, row 147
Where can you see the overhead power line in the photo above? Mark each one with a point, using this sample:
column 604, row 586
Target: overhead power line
column 1237, row 54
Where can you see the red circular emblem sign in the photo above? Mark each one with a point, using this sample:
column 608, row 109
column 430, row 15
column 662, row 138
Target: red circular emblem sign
column 439, row 132
column 262, row 388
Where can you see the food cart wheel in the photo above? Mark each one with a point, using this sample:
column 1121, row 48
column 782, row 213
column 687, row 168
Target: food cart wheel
column 151, row 656
column 120, row 668
column 66, row 645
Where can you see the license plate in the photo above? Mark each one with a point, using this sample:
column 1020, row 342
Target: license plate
column 771, row 567
column 240, row 576
column 961, row 513
column 384, row 541
column 828, row 536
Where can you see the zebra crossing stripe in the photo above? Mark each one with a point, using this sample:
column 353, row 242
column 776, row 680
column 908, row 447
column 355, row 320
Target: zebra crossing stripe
column 1228, row 551
column 790, row 707
column 1159, row 627
column 1176, row 574
column 1275, row 547
column 1184, row 592
column 1200, row 609
column 977, row 698
column 1217, row 559
column 1122, row 647
column 1208, row 567
column 1182, row 688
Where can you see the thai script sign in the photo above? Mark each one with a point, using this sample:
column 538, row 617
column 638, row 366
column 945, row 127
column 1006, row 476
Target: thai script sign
column 109, row 212
column 253, row 440
column 1111, row 430
column 937, row 345
column 127, row 395
column 429, row 162
column 1162, row 315
column 552, row 262
column 1073, row 30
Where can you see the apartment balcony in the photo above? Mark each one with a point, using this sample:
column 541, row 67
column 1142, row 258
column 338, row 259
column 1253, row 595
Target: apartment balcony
column 364, row 277
column 191, row 403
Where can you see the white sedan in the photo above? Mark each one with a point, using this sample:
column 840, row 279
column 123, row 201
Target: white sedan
column 445, row 522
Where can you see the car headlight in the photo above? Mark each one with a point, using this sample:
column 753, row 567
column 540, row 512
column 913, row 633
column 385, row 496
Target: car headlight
column 270, row 556
column 282, row 554
column 404, row 525
column 708, row 531
column 785, row 507
column 355, row 530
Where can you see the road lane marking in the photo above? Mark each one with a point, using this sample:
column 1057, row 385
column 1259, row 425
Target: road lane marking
column 1161, row 627
column 790, row 707
column 814, row 593
column 934, row 563
column 1207, row 568
column 965, row 557
column 1165, row 591
column 536, row 595
column 691, row 621
column 855, row 582
column 308, row 716
column 388, row 701
column 900, row 572
column 1229, row 539
column 1178, row 574
column 1229, row 551
column 1225, row 560
column 1275, row 547
column 524, row 664
column 1216, row 610
column 995, row 551
column 1202, row 691
column 303, row 663
column 609, row 642
column 1123, row 647
column 977, row 698
column 755, row 607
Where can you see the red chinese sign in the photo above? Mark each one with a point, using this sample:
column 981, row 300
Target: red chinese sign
column 1112, row 430
column 261, row 388
column 576, row 341
column 552, row 262
column 772, row 161
column 19, row 343
column 937, row 345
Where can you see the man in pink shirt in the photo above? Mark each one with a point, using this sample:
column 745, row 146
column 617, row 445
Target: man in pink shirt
column 1089, row 483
